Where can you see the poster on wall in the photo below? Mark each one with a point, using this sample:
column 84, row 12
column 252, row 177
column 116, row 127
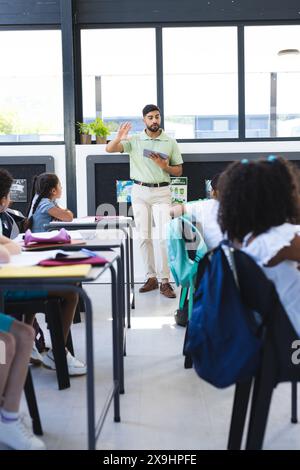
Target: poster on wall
column 124, row 190
column 179, row 190
column 18, row 190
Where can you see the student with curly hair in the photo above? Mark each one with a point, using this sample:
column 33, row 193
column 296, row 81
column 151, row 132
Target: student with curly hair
column 260, row 212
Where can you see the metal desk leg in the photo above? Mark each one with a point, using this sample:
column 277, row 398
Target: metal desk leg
column 117, row 355
column 90, row 390
column 121, row 283
column 131, row 266
column 127, row 250
column 121, row 321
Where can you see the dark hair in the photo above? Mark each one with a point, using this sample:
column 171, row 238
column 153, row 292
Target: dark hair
column 255, row 196
column 42, row 186
column 150, row 107
column 214, row 181
column 5, row 182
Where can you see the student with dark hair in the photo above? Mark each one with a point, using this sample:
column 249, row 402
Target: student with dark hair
column 260, row 212
column 8, row 226
column 205, row 214
column 16, row 340
column 69, row 299
column 43, row 206
column 151, row 195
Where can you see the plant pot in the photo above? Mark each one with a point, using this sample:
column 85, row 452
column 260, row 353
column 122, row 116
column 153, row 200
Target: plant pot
column 85, row 139
column 100, row 139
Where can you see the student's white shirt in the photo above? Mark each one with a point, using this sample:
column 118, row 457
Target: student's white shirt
column 285, row 275
column 205, row 212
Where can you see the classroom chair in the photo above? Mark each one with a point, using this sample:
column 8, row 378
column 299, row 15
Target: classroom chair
column 276, row 365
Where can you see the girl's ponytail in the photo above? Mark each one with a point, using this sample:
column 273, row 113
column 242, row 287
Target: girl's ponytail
column 42, row 186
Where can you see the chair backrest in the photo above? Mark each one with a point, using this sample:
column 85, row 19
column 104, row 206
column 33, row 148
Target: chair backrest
column 259, row 294
column 18, row 221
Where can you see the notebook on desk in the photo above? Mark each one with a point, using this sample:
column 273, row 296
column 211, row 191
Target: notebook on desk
column 45, row 246
column 67, row 259
column 11, row 271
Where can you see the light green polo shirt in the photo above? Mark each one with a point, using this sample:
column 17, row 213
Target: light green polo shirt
column 144, row 169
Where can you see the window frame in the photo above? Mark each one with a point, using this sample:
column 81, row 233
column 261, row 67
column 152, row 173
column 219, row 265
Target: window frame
column 159, row 70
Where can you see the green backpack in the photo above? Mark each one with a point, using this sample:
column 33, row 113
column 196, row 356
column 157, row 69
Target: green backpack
column 186, row 247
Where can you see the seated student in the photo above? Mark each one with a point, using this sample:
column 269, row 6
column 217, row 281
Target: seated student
column 259, row 211
column 8, row 226
column 43, row 206
column 69, row 303
column 16, row 341
column 205, row 214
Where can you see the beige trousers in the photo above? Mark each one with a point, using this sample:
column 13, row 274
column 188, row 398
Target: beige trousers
column 148, row 204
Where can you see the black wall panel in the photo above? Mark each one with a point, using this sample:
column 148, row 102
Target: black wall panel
column 27, row 12
column 105, row 182
column 102, row 176
column 106, row 176
column 155, row 11
column 24, row 172
column 26, row 167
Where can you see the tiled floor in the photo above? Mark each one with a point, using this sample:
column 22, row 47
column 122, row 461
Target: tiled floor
column 165, row 406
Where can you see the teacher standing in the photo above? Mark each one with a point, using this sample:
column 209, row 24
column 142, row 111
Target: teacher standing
column 151, row 195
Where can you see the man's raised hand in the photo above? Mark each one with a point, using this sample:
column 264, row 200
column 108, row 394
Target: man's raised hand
column 123, row 131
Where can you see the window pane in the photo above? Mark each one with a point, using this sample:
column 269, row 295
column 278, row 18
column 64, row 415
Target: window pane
column 200, row 82
column 118, row 75
column 31, row 96
column 272, row 81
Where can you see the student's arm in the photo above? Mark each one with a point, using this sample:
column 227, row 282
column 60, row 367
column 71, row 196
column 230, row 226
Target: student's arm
column 291, row 253
column 9, row 246
column 64, row 215
column 177, row 210
column 115, row 145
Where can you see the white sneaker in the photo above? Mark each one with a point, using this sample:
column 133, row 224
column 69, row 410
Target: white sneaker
column 75, row 367
column 18, row 436
column 35, row 358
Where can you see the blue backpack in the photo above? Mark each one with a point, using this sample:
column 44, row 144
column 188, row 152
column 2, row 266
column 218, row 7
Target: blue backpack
column 186, row 248
column 223, row 334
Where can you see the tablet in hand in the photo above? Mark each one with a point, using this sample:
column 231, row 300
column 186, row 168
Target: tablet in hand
column 147, row 153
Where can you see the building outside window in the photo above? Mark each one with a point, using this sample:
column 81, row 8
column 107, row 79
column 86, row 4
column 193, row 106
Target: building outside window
column 118, row 75
column 200, row 82
column 272, row 81
column 31, row 89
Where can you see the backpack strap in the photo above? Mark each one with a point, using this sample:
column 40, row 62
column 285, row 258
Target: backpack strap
column 183, row 296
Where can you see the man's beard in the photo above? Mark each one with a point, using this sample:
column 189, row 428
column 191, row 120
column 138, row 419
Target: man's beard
column 153, row 128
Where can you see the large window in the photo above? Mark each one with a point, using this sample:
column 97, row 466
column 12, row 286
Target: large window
column 200, row 82
column 118, row 75
column 272, row 81
column 31, row 96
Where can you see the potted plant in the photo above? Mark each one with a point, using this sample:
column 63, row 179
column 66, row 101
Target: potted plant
column 100, row 130
column 84, row 130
